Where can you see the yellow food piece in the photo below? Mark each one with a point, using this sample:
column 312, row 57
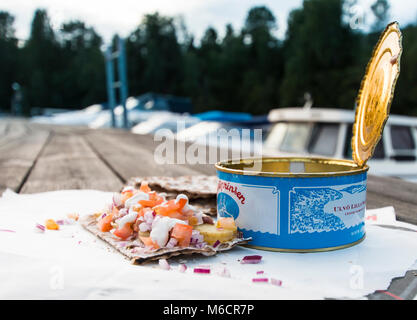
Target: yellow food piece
column 50, row 224
column 144, row 234
column 211, row 234
column 226, row 223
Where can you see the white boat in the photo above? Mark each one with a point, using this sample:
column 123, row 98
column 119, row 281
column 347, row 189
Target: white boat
column 174, row 122
column 327, row 132
column 72, row 118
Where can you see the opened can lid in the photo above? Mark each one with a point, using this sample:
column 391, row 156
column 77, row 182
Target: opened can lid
column 376, row 93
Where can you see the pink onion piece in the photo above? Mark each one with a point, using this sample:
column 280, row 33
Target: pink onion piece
column 143, row 227
column 171, row 243
column 117, row 199
column 216, row 244
column 182, row 267
column 260, row 280
column 163, row 264
column 276, row 282
column 202, row 270
column 122, row 213
column 103, row 215
column 196, row 238
column 40, row 228
column 260, row 272
column 201, row 245
column 149, row 217
column 62, row 222
column 7, row 230
column 251, row 259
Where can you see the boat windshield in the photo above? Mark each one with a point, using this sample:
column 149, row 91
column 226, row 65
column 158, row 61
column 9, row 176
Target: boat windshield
column 303, row 137
column 324, row 139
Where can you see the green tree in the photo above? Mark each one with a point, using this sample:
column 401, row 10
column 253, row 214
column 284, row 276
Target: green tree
column 41, row 56
column 82, row 81
column 264, row 61
column 8, row 61
column 320, row 51
column 210, row 71
column 405, row 98
column 155, row 56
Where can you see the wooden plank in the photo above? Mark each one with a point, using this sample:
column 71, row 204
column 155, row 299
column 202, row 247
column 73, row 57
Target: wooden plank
column 132, row 155
column 18, row 155
column 13, row 130
column 67, row 162
column 3, row 128
column 393, row 188
column 405, row 211
column 384, row 191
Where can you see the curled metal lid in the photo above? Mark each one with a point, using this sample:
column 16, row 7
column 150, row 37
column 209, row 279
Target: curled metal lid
column 376, row 93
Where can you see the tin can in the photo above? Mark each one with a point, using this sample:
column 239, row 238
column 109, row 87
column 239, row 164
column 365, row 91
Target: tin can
column 294, row 204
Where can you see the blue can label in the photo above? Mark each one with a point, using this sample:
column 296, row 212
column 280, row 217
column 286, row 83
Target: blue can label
column 295, row 213
column 241, row 201
column 325, row 209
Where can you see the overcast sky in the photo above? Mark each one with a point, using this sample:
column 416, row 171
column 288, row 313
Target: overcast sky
column 122, row 16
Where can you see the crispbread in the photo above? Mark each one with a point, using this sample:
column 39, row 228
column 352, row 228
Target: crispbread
column 199, row 186
column 127, row 248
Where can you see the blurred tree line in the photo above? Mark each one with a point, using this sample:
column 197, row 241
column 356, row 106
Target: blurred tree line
column 247, row 70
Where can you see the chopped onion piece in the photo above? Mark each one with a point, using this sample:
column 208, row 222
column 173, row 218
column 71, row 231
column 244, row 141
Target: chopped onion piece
column 196, row 238
column 251, row 259
column 163, row 263
column 143, row 227
column 260, row 272
column 202, row 270
column 40, row 228
column 7, row 230
column 260, row 280
column 216, row 244
column 149, row 217
column 276, row 282
column 201, row 245
column 171, row 243
column 182, row 267
column 117, row 199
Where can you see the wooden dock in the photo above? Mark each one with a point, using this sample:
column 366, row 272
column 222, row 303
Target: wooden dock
column 37, row 158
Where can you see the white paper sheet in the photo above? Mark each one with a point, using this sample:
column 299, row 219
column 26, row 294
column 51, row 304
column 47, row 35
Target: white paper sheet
column 72, row 264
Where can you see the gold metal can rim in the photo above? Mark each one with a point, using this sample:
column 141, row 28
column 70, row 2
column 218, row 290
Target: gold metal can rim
column 373, row 100
column 351, row 244
column 351, row 167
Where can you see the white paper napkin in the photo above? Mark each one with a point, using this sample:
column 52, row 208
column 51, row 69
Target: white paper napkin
column 72, row 264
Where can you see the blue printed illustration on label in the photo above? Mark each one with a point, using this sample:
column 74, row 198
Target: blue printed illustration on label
column 241, row 201
column 324, row 209
column 227, row 206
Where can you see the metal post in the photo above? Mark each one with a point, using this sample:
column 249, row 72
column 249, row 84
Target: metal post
column 110, row 80
column 123, row 79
